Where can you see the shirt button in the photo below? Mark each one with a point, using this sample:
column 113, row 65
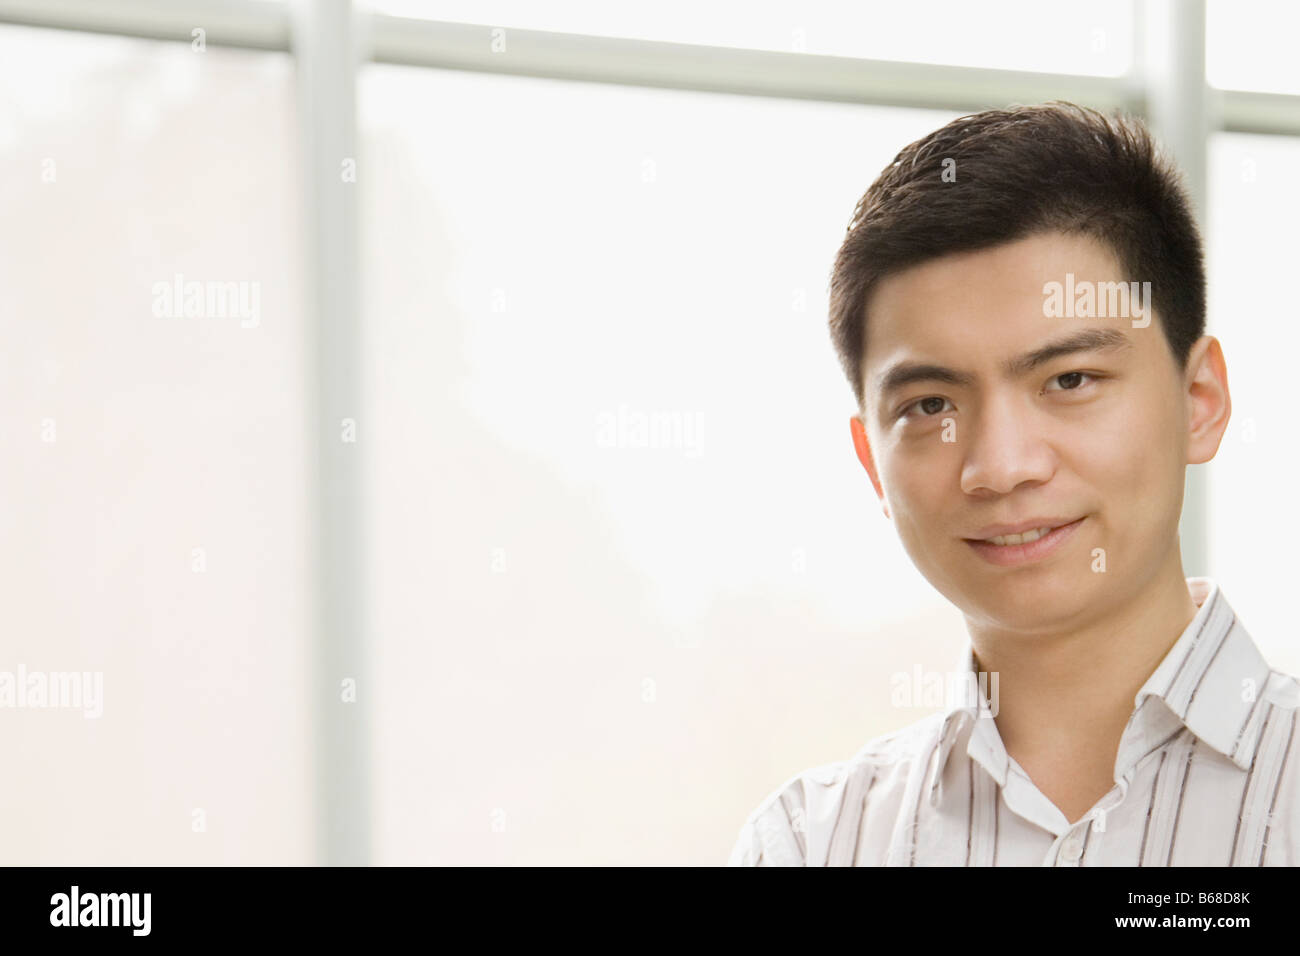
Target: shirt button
column 1071, row 849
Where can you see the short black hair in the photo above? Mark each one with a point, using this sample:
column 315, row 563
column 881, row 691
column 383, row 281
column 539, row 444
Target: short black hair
column 1052, row 167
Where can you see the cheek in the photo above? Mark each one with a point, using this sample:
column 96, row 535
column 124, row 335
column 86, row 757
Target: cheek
column 1135, row 453
column 919, row 496
column 1132, row 468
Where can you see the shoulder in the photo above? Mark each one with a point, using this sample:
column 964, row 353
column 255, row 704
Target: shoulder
column 801, row 814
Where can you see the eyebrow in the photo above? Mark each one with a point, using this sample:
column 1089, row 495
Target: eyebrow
column 901, row 374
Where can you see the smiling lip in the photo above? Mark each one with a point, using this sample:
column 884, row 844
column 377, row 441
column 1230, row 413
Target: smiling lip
column 1012, row 554
column 1020, row 527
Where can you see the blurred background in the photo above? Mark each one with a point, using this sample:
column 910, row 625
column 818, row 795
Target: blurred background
column 501, row 507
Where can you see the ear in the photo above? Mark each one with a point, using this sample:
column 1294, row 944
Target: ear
column 1209, row 405
column 863, row 448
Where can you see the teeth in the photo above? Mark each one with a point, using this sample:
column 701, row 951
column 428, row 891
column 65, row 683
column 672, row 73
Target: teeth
column 1032, row 535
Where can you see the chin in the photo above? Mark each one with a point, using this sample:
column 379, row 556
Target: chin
column 1023, row 605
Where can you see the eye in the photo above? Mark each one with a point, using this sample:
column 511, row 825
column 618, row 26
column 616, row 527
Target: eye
column 928, row 410
column 1074, row 378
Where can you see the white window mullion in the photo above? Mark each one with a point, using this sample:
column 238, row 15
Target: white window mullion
column 325, row 48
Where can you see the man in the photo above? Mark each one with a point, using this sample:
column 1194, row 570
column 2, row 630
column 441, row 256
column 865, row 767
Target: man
column 1019, row 305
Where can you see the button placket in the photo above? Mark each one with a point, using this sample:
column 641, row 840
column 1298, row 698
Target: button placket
column 1070, row 850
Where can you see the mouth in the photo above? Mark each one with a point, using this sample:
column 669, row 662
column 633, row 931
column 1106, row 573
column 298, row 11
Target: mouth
column 1032, row 544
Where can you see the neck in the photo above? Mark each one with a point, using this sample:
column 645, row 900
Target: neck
column 1069, row 691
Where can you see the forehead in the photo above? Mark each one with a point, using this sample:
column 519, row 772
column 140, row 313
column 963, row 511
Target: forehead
column 975, row 310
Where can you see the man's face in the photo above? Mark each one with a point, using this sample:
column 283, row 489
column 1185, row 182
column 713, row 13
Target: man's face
column 1097, row 436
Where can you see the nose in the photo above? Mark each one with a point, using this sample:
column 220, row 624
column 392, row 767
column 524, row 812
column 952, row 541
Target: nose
column 1005, row 448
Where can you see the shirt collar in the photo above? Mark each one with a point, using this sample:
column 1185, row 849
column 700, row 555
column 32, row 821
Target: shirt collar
column 1212, row 676
column 1208, row 681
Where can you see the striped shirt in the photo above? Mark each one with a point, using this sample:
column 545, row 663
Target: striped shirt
column 1205, row 775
